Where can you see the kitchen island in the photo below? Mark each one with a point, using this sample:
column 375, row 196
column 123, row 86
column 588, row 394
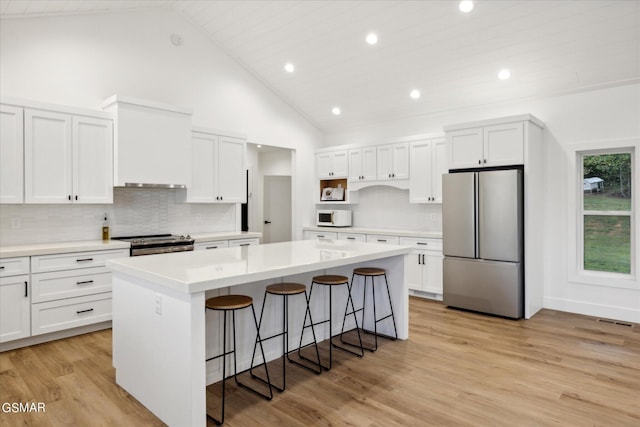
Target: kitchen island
column 162, row 335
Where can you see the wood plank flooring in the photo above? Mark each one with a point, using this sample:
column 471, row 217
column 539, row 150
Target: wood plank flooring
column 457, row 369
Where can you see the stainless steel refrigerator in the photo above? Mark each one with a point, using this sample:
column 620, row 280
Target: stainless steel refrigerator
column 482, row 221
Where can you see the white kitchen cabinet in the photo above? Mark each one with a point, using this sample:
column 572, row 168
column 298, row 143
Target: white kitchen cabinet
column 218, row 244
column 362, row 164
column 15, row 303
column 393, row 161
column 427, row 164
column 353, row 237
column 244, row 242
column 218, row 169
column 424, row 271
column 68, row 159
column 332, row 164
column 486, row 146
column 11, row 154
column 311, row 234
column 71, row 289
column 383, row 239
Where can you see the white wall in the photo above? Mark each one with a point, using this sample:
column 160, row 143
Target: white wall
column 605, row 114
column 81, row 60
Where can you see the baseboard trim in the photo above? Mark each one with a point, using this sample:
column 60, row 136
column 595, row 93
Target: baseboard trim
column 591, row 309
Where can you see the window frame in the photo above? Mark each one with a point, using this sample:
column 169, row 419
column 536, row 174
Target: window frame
column 577, row 273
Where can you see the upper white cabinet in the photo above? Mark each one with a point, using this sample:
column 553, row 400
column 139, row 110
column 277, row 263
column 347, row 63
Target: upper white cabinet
column 499, row 144
column 218, row 169
column 68, row 158
column 11, row 154
column 427, row 164
column 393, row 161
column 332, row 164
column 362, row 164
column 152, row 142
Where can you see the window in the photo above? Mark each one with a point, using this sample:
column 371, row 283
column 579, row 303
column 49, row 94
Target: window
column 606, row 226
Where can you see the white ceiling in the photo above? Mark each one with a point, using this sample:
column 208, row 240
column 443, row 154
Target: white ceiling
column 551, row 47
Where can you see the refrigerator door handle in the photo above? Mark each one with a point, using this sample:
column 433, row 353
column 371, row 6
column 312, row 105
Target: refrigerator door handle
column 476, row 205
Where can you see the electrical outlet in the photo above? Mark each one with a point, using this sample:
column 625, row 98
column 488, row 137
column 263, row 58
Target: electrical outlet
column 158, row 304
column 15, row 222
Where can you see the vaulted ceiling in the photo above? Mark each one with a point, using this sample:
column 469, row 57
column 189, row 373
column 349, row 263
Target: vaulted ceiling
column 453, row 58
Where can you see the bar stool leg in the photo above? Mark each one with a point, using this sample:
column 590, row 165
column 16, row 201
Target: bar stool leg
column 307, row 298
column 353, row 312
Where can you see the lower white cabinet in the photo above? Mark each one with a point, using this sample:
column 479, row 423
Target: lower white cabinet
column 310, row 234
column 15, row 302
column 244, row 242
column 353, row 237
column 211, row 245
column 424, row 272
column 71, row 289
column 68, row 313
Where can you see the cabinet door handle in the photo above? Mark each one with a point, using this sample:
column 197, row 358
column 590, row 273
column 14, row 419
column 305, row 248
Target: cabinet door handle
column 69, row 197
column 484, row 161
column 320, row 235
column 211, row 247
column 84, row 259
column 419, row 259
column 351, row 238
column 85, row 282
column 423, row 243
column 2, row 267
column 84, row 311
column 382, row 240
column 393, row 175
column 245, row 244
column 76, row 197
column 479, row 162
column 26, row 289
column 423, row 259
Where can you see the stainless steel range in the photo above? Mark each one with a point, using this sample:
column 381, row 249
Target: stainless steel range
column 158, row 244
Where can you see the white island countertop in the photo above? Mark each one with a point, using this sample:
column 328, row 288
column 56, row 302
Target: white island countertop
column 199, row 271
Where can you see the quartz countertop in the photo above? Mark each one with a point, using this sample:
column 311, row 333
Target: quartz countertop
column 224, row 235
column 385, row 231
column 198, row 271
column 34, row 249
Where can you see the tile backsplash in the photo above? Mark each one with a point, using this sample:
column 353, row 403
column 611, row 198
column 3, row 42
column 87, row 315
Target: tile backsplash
column 134, row 211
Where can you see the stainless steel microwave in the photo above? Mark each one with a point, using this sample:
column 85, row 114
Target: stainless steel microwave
column 333, row 218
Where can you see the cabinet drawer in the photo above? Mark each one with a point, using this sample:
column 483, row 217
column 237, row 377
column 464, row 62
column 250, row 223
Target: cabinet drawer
column 71, row 283
column 353, row 237
column 243, row 242
column 211, row 245
column 310, row 235
column 14, row 266
column 70, row 313
column 383, row 239
column 427, row 244
column 46, row 263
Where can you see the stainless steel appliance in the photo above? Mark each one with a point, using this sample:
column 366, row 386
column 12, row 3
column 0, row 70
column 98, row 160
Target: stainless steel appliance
column 482, row 221
column 158, row 244
column 333, row 218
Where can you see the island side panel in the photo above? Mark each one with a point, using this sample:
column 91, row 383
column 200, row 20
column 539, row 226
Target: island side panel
column 159, row 349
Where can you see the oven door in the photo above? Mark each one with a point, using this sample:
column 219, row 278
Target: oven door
column 160, row 250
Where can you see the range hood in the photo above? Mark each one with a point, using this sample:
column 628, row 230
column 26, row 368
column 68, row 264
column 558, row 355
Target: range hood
column 152, row 143
column 156, row 186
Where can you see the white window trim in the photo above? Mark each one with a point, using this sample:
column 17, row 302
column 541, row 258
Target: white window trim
column 575, row 194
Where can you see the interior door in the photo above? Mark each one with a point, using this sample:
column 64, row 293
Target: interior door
column 277, row 209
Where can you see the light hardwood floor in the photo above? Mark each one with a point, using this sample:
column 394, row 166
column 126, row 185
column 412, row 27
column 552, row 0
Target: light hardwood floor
column 457, row 369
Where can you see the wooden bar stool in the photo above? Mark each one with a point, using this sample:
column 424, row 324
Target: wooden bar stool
column 285, row 290
column 331, row 281
column 226, row 304
column 372, row 272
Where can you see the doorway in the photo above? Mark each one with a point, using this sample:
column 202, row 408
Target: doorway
column 277, row 209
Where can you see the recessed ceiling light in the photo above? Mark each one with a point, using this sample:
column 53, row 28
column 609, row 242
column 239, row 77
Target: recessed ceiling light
column 504, row 74
column 372, row 38
column 289, row 67
column 415, row 94
column 465, row 6
column 259, row 146
column 336, row 111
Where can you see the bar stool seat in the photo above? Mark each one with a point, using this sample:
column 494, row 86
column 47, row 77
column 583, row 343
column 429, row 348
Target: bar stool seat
column 332, row 280
column 286, row 290
column 226, row 304
column 372, row 272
